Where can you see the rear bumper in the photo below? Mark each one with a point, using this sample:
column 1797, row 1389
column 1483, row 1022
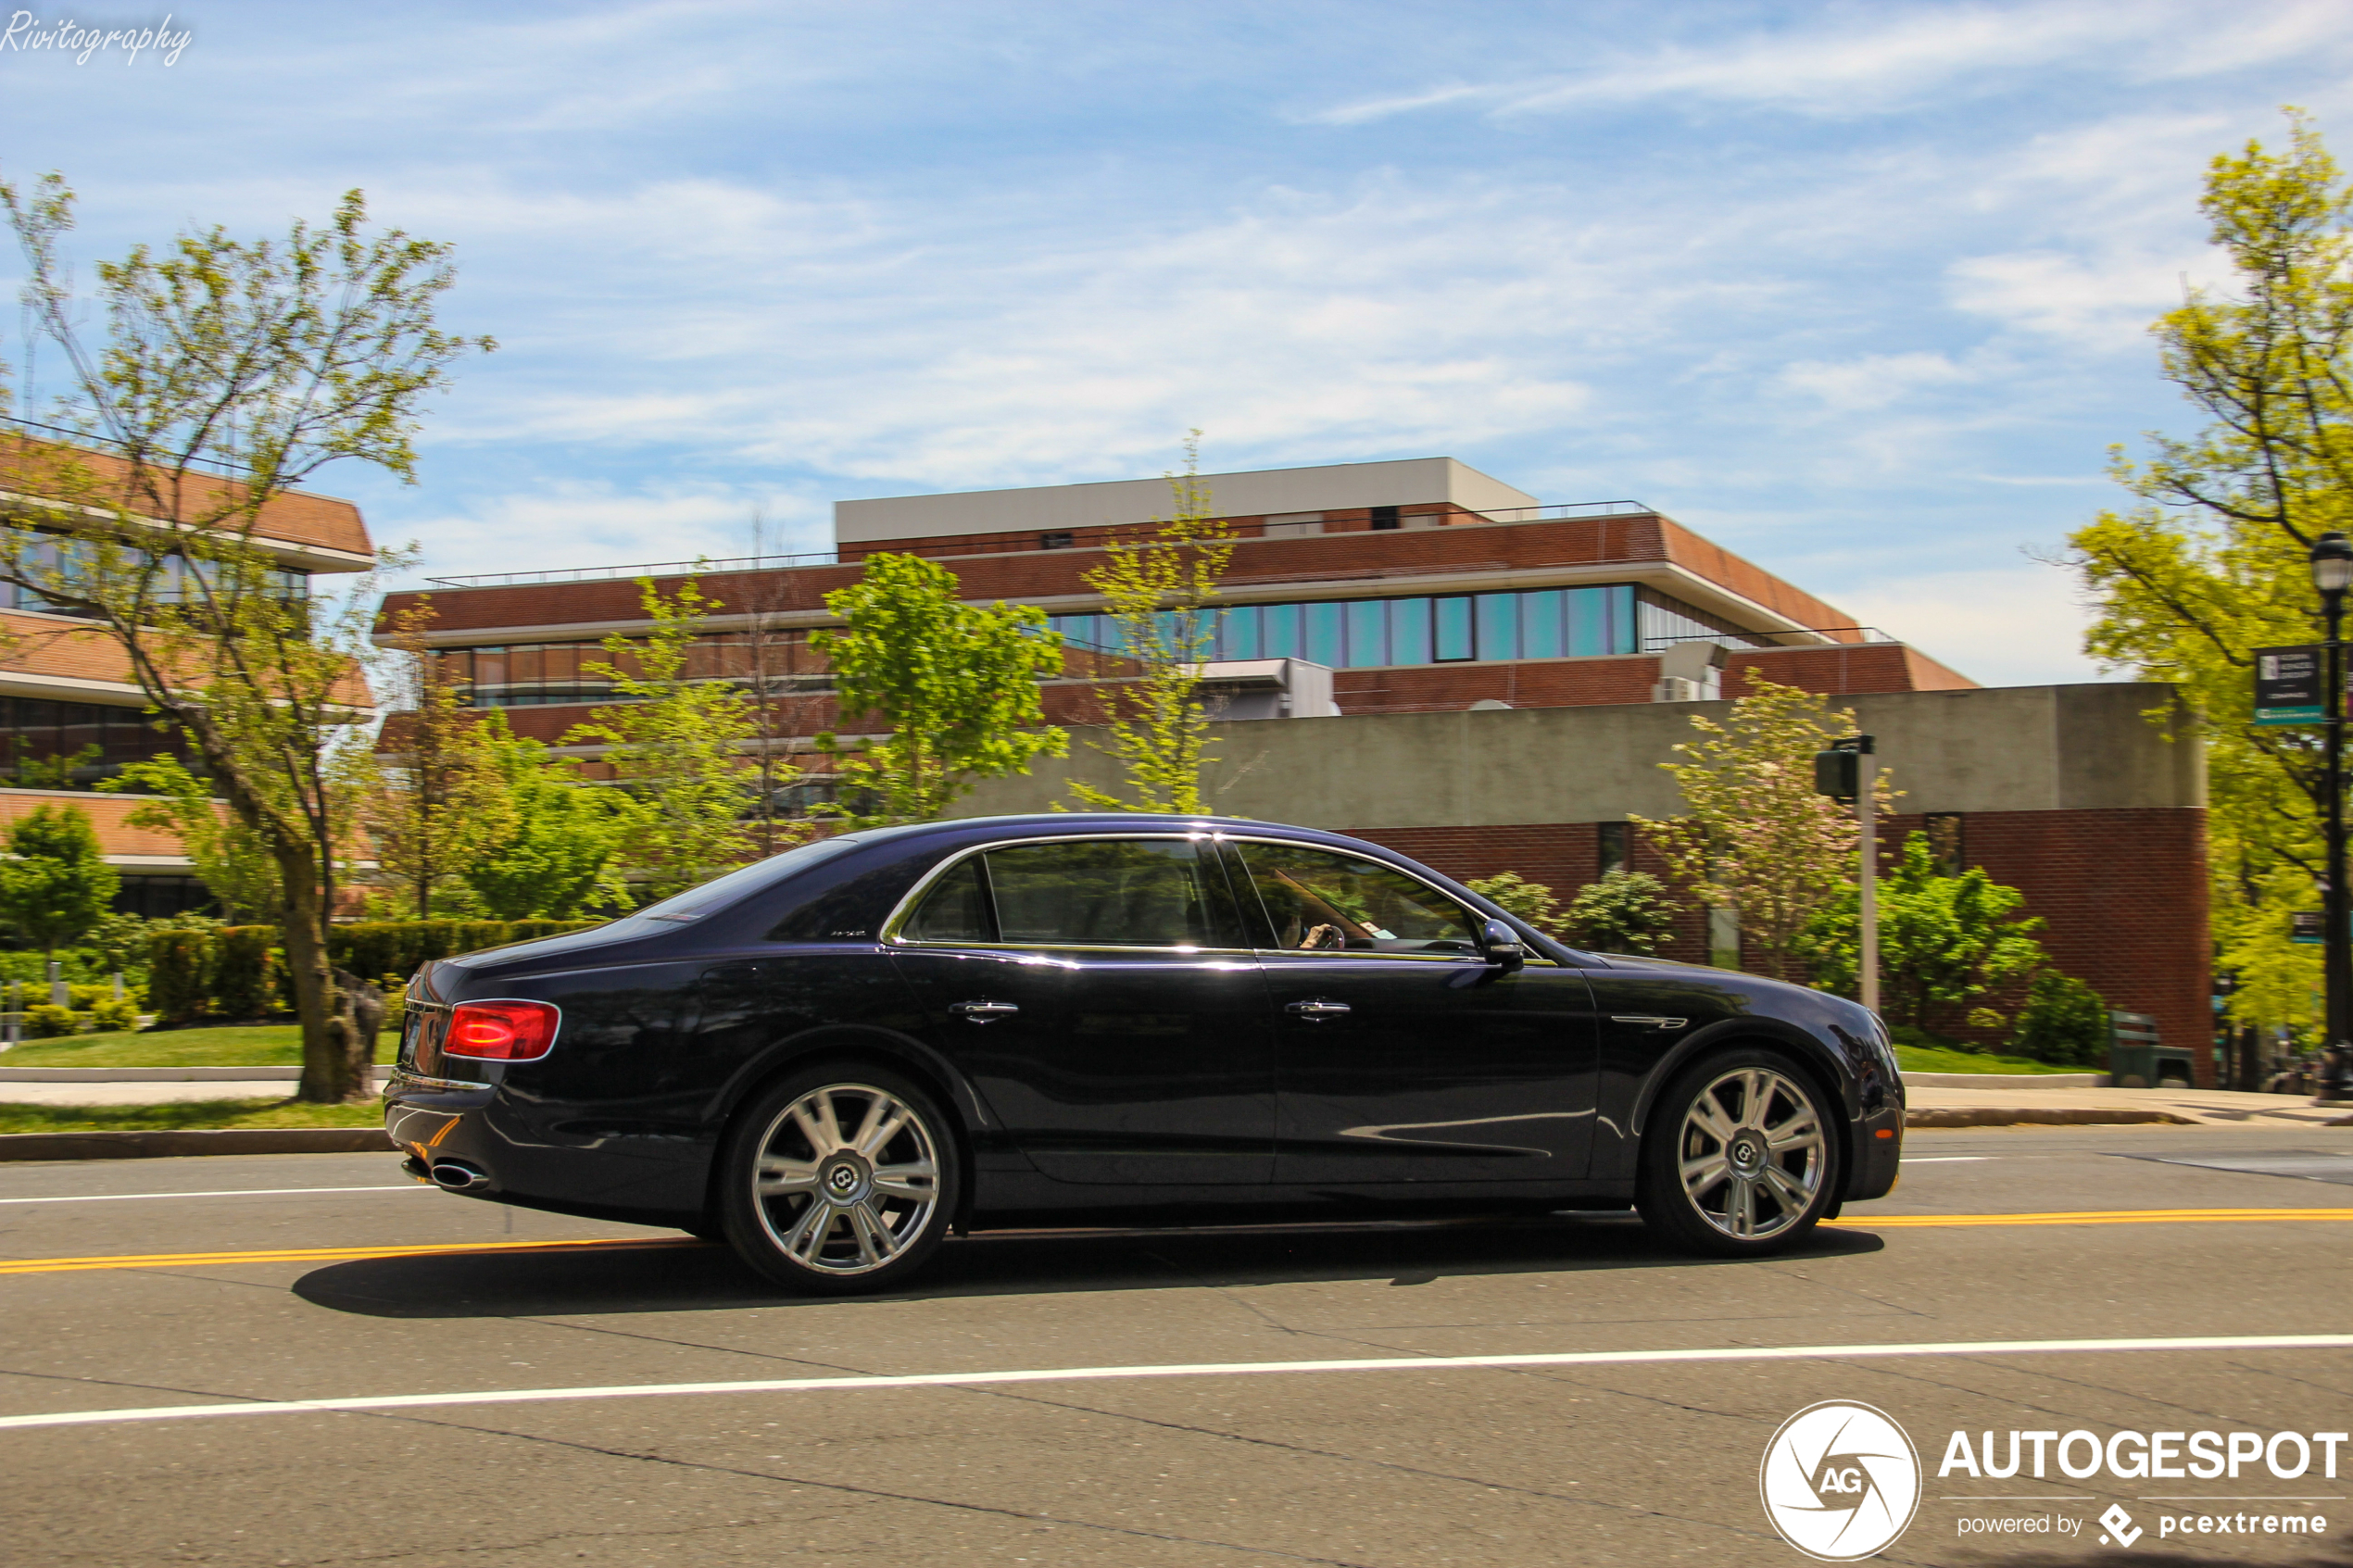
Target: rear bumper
column 531, row 1154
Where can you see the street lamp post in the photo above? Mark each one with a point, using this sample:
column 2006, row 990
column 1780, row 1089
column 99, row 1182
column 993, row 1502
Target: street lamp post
column 2331, row 574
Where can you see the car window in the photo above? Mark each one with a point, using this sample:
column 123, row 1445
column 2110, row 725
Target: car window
column 1116, row 893
column 956, row 909
column 1323, row 899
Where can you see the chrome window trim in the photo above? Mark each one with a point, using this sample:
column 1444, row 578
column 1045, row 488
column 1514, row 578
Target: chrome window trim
column 1412, row 957
column 906, row 906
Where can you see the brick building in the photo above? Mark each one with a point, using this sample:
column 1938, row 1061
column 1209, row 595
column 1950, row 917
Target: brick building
column 1434, row 595
column 70, row 713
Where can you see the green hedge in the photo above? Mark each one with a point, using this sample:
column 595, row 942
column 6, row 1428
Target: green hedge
column 403, row 947
column 180, row 976
column 240, row 971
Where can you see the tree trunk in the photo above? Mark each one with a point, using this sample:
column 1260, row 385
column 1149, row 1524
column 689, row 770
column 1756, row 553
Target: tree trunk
column 327, row 1068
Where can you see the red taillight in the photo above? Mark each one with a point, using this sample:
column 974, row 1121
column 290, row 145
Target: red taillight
column 501, row 1030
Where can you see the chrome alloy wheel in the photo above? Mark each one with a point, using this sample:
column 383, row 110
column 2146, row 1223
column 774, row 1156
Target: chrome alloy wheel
column 847, row 1178
column 1753, row 1153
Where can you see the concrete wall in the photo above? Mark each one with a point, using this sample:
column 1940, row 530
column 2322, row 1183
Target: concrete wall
column 1333, row 487
column 2011, row 748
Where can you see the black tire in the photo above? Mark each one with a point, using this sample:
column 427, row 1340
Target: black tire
column 822, row 1198
column 1741, row 1198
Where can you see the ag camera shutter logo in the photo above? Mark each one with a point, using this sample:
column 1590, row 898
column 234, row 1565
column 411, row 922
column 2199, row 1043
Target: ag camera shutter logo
column 1840, row 1481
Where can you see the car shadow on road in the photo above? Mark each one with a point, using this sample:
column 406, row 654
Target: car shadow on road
column 704, row 1278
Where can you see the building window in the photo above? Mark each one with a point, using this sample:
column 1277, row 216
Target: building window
column 159, row 897
column 1944, row 829
column 47, row 744
column 1053, row 541
column 1358, row 634
column 1385, row 517
column 538, row 674
column 1453, row 625
column 1292, row 525
column 1326, row 634
column 1610, row 851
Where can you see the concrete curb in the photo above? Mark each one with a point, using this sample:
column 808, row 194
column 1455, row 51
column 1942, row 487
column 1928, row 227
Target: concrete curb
column 158, row 1075
column 2038, row 1116
column 229, row 1140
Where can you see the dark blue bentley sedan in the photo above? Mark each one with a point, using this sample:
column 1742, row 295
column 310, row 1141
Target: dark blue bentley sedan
column 832, row 1058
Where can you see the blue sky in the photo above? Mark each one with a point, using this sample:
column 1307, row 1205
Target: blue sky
column 1858, row 290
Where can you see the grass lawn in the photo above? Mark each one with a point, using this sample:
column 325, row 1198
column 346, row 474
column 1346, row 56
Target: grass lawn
column 237, row 1045
column 1930, row 1059
column 208, row 1113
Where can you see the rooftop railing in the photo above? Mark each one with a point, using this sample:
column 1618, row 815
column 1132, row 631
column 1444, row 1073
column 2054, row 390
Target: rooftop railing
column 1869, row 634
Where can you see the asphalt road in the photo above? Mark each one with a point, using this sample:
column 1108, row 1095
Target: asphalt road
column 201, row 1302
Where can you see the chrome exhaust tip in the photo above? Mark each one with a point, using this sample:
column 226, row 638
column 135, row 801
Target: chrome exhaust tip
column 456, row 1176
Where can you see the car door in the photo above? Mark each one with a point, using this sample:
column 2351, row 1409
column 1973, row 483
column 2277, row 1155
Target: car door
column 1100, row 993
column 1405, row 1056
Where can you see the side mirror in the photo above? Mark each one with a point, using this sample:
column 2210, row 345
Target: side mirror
column 1499, row 944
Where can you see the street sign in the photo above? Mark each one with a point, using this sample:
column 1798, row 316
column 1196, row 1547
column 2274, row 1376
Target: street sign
column 2287, row 685
column 2305, row 925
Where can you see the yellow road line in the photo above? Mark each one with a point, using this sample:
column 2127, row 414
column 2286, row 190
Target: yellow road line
column 2098, row 1217
column 326, row 1254
column 445, row 1250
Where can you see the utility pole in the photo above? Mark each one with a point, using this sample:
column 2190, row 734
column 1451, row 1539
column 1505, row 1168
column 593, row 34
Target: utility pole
column 1842, row 774
column 2332, row 560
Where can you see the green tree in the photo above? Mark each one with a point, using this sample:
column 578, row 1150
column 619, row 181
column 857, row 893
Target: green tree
column 2064, row 1022
column 2212, row 564
column 555, row 857
column 438, row 797
column 679, row 747
column 955, row 686
column 55, row 771
column 261, row 361
column 230, row 857
column 1757, row 839
column 1945, row 941
column 1158, row 588
column 55, row 885
column 1531, row 902
column 1624, row 912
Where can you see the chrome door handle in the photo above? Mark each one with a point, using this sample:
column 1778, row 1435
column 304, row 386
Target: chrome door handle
column 1317, row 1009
column 1652, row 1018
column 983, row 1012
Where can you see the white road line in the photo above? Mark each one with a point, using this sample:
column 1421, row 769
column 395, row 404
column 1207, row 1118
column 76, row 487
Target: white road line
column 1945, row 1159
column 1198, row 1369
column 228, row 1192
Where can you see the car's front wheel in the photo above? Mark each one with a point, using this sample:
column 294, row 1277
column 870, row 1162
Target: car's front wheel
column 1739, row 1157
column 841, row 1178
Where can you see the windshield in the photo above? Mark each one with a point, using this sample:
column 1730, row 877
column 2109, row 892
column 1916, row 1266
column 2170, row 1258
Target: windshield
column 697, row 902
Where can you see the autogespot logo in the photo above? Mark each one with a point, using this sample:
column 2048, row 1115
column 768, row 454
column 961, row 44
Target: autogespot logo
column 1840, row 1481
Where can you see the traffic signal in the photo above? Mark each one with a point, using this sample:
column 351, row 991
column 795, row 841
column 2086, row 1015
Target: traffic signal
column 1838, row 774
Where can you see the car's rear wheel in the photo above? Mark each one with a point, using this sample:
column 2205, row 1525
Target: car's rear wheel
column 839, row 1179
column 1739, row 1158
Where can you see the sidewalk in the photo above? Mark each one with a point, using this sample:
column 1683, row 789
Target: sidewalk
column 2010, row 1101
column 148, row 1086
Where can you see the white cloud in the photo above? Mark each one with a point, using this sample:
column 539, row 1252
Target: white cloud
column 1874, row 381
column 1855, row 60
column 2100, row 302
column 575, row 523
column 2015, row 625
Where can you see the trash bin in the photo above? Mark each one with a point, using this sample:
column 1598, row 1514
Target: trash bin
column 2138, row 1059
